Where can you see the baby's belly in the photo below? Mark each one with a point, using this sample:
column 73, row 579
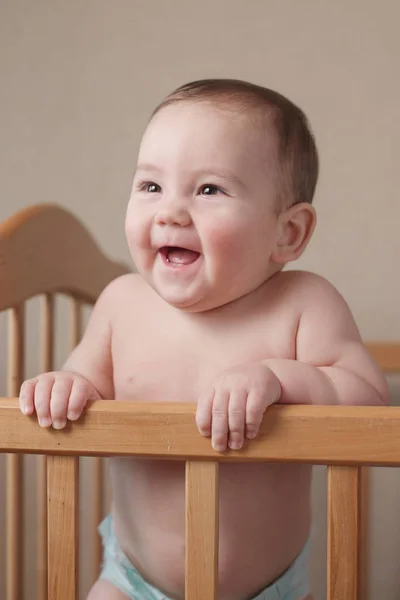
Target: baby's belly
column 264, row 522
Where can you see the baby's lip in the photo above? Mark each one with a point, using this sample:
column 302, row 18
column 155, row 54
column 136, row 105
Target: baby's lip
column 189, row 255
column 166, row 247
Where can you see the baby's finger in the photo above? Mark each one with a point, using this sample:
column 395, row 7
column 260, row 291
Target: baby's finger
column 204, row 412
column 77, row 400
column 42, row 400
column 219, row 425
column 236, row 419
column 255, row 408
column 59, row 401
column 26, row 396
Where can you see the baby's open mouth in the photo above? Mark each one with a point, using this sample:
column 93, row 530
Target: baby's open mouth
column 179, row 256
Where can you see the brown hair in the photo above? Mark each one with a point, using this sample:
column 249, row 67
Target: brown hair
column 297, row 151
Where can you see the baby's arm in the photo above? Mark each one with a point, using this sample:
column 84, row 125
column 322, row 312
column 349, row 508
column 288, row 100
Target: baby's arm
column 86, row 375
column 332, row 365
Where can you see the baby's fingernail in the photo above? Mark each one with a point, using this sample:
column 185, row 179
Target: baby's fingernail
column 72, row 415
column 251, row 435
column 204, row 430
column 44, row 422
column 219, row 447
column 59, row 424
column 235, row 445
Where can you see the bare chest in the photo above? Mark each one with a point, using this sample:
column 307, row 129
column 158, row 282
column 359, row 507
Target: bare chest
column 173, row 361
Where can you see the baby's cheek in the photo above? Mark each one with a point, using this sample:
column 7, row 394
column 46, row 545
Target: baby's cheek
column 225, row 238
column 229, row 248
column 137, row 230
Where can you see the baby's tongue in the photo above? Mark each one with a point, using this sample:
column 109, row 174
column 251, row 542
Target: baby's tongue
column 182, row 256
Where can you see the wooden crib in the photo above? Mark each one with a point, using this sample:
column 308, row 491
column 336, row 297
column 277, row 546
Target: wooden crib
column 45, row 251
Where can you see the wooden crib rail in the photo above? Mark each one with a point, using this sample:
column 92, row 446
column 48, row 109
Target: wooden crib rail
column 386, row 354
column 337, row 435
column 344, row 438
column 45, row 249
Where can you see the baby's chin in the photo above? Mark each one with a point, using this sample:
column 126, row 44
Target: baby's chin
column 201, row 296
column 190, row 301
column 203, row 304
column 187, row 303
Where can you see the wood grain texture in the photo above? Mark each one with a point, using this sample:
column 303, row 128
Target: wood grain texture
column 201, row 530
column 307, row 434
column 45, row 249
column 344, row 487
column 386, row 354
column 63, row 536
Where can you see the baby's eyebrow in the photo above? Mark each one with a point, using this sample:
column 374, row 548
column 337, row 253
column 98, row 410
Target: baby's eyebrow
column 211, row 172
column 145, row 167
column 220, row 173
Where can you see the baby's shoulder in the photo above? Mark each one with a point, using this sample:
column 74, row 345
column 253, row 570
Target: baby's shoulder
column 310, row 289
column 130, row 283
column 126, row 292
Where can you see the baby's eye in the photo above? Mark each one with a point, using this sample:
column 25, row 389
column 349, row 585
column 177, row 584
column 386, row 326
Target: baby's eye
column 150, row 187
column 210, row 190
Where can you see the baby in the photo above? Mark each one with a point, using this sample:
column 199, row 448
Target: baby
column 221, row 202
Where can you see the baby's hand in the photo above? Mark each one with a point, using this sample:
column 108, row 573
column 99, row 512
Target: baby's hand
column 56, row 397
column 234, row 407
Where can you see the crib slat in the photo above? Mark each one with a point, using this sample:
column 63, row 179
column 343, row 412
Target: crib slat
column 363, row 546
column 14, row 515
column 41, row 527
column 343, row 532
column 63, row 527
column 14, row 553
column 97, row 515
column 201, row 530
column 46, row 364
column 96, row 463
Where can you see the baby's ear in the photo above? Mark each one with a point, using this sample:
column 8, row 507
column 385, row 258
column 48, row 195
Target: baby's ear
column 296, row 226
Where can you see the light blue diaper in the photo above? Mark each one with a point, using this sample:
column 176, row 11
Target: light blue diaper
column 292, row 585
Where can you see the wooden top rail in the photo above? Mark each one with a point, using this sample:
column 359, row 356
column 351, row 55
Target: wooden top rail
column 308, row 434
column 386, row 354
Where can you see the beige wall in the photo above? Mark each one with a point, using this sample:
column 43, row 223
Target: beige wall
column 79, row 78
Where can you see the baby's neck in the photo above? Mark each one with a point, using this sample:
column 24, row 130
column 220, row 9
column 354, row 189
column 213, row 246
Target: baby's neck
column 237, row 308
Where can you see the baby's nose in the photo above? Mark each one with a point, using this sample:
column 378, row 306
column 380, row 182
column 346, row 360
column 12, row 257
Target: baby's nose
column 173, row 214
